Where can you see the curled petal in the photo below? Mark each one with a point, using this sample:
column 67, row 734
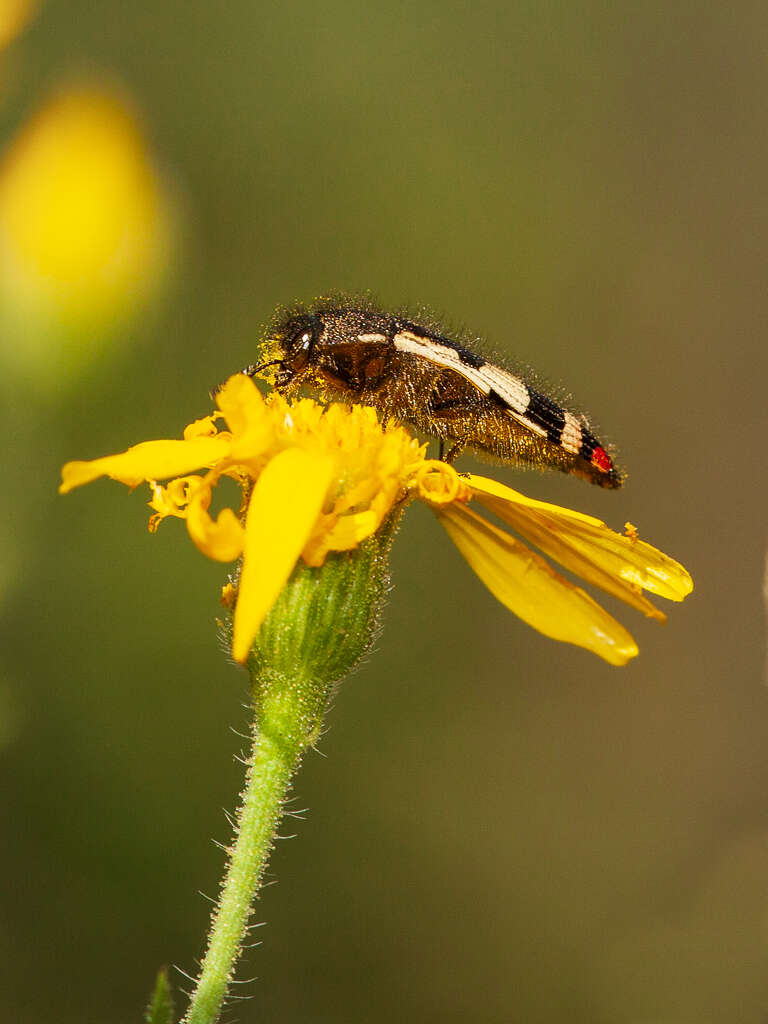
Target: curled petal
column 530, row 588
column 151, row 460
column 439, row 484
column 172, row 500
column 222, row 538
column 204, row 427
column 285, row 503
column 620, row 565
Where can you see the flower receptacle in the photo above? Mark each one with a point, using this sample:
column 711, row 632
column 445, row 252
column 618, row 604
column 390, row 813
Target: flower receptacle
column 319, row 628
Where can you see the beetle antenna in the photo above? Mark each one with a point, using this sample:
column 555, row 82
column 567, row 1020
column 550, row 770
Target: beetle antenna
column 250, row 371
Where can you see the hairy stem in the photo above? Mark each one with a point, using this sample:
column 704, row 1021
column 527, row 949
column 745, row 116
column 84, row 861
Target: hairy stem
column 287, row 716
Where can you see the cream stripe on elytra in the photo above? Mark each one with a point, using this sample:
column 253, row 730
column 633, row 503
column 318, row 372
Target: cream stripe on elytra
column 486, row 378
column 571, row 437
column 508, row 387
column 441, row 355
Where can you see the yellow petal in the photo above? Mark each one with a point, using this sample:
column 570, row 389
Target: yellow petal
column 151, row 460
column 251, row 422
column 222, row 538
column 285, row 502
column 339, row 534
column 620, row 565
column 240, row 401
column 530, row 588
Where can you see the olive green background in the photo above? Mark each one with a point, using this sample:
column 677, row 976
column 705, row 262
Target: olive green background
column 501, row 828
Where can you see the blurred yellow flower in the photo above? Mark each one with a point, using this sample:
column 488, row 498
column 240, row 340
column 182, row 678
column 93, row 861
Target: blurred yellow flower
column 14, row 14
column 84, row 227
column 316, row 479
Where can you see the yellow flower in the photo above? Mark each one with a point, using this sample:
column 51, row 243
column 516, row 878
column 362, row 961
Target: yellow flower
column 85, row 228
column 315, row 480
column 14, row 14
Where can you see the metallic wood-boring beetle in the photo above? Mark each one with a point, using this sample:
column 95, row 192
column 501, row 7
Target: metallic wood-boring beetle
column 444, row 389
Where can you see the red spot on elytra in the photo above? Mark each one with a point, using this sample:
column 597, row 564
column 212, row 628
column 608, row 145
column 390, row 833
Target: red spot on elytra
column 601, row 459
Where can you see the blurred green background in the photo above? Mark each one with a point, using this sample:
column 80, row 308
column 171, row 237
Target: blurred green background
column 503, row 828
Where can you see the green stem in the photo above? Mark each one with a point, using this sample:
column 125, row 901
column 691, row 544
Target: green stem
column 287, row 716
column 316, row 632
